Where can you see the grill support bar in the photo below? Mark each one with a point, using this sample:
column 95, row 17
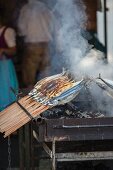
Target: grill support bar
column 45, row 147
column 84, row 156
column 81, row 126
column 53, row 155
column 75, row 156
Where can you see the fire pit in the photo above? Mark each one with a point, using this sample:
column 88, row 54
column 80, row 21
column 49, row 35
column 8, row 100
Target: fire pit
column 75, row 139
column 64, row 111
column 76, row 131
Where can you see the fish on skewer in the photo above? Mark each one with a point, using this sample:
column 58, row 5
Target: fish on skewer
column 57, row 90
column 45, row 80
column 68, row 94
column 108, row 82
column 47, row 93
column 106, row 85
column 51, row 87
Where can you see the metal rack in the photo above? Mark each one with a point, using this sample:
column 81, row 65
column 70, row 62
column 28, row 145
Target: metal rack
column 53, row 134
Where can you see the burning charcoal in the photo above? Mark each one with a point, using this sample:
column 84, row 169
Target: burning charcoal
column 85, row 115
column 74, row 107
column 99, row 114
column 69, row 112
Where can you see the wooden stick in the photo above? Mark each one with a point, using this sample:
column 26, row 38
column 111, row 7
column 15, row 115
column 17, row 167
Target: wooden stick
column 24, row 121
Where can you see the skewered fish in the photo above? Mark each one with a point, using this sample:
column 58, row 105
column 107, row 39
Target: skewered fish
column 106, row 85
column 109, row 83
column 47, row 93
column 68, row 94
column 56, row 90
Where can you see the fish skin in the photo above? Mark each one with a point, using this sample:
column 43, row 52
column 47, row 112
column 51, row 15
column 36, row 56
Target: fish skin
column 49, row 84
column 68, row 95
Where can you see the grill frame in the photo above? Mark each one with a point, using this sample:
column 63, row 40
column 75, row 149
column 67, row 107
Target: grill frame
column 75, row 129
column 60, row 130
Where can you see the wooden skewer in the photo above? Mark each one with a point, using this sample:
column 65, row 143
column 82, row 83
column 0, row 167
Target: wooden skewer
column 16, row 117
column 25, row 120
column 12, row 106
column 14, row 109
column 13, row 117
column 35, row 107
column 26, row 117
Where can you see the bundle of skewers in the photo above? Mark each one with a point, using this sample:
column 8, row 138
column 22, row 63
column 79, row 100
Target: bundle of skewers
column 47, row 93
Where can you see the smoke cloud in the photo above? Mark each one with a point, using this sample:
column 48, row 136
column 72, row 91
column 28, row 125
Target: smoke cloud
column 77, row 55
column 70, row 19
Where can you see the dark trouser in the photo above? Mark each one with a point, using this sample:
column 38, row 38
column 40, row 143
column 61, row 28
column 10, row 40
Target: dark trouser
column 35, row 59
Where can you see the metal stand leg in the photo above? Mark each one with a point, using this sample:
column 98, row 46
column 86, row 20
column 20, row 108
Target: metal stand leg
column 32, row 149
column 53, row 155
column 27, row 146
column 21, row 149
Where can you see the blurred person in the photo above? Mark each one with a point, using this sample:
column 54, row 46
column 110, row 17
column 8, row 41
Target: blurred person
column 35, row 25
column 8, row 77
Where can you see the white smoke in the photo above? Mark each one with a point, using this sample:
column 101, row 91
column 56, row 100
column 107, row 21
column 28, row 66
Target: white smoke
column 78, row 55
column 94, row 64
column 71, row 18
column 76, row 51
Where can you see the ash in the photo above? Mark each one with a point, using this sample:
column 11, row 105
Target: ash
column 83, row 106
